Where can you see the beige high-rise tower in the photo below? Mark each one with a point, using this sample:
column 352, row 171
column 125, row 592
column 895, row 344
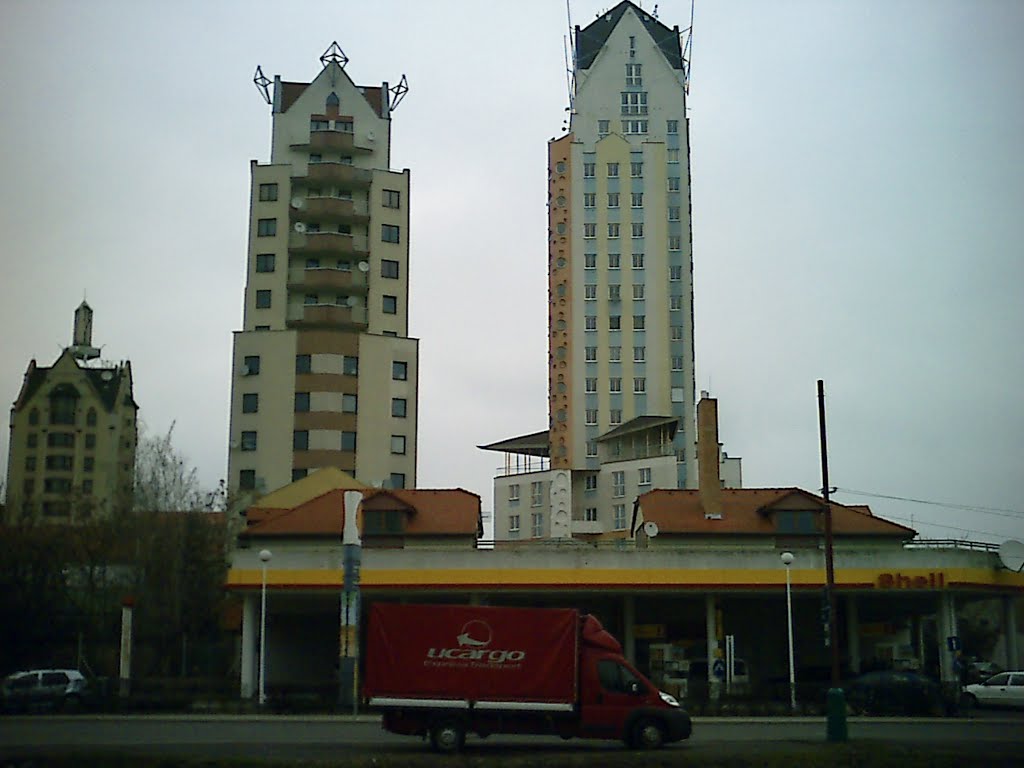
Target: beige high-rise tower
column 324, row 373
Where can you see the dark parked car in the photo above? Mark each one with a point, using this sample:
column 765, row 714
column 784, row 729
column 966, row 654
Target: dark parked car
column 42, row 689
column 893, row 692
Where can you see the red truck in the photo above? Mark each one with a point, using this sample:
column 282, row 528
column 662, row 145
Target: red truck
column 442, row 671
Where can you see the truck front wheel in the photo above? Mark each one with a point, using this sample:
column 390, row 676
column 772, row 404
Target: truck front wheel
column 447, row 737
column 648, row 734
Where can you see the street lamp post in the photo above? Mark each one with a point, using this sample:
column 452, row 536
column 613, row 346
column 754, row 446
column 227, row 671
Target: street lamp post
column 787, row 560
column 264, row 559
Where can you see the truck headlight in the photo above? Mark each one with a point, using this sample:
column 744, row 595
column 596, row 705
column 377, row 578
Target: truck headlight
column 670, row 700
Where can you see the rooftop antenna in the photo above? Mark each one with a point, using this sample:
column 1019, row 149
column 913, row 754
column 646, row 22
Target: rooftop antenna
column 570, row 59
column 334, row 55
column 687, row 49
column 262, row 83
column 398, row 93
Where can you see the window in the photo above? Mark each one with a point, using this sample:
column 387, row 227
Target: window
column 602, row 127
column 673, row 183
column 589, row 200
column 513, row 523
column 639, row 354
column 677, row 333
column 389, row 268
column 614, row 292
column 613, row 199
column 614, row 384
column 537, row 524
column 590, row 385
column 248, row 440
column 677, row 362
column 398, row 444
column 638, row 199
column 636, row 170
column 390, row 305
column 247, row 479
column 30, row 463
column 265, row 262
column 33, row 416
column 311, row 298
column 32, row 441
column 615, row 416
column 312, row 263
column 266, row 227
column 673, row 213
column 57, row 485
column 268, row 193
column 675, row 273
column 675, row 243
column 250, row 402
column 618, row 484
column 59, row 463
column 63, row 400
column 591, row 354
column 590, row 514
column 645, row 476
column 796, row 521
column 319, row 125
column 614, row 259
column 345, row 126
column 675, row 303
column 301, row 402
column 672, row 126
column 303, row 364
column 63, row 440
column 536, row 494
column 619, row 516
column 315, row 158
column 298, row 473
column 634, row 126
column 614, row 354
column 263, row 299
column 589, row 170
column 513, row 493
column 673, row 155
column 591, row 448
column 88, row 463
column 90, row 441
column 638, row 261
column 300, row 440
column 589, row 230
column 390, row 233
column 396, row 480
column 348, row 441
column 350, row 366
column 590, row 323
column 615, row 322
column 639, row 385
column 591, row 416
column 349, row 403
column 613, row 230
column 399, row 407
column 638, row 229
column 399, row 371
column 391, row 198
column 633, row 75
column 639, row 323
column 590, row 483
column 589, row 292
column 613, row 170
column 638, row 291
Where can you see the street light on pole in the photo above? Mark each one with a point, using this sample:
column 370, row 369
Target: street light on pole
column 264, row 559
column 787, row 560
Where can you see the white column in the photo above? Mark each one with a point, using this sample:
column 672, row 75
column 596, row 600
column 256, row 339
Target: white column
column 853, row 633
column 628, row 624
column 1010, row 632
column 714, row 684
column 248, row 665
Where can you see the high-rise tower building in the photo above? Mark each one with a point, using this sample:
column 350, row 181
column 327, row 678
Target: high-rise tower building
column 620, row 290
column 73, row 436
column 324, row 373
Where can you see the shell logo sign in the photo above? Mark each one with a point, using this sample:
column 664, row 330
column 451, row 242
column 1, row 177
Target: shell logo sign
column 934, row 580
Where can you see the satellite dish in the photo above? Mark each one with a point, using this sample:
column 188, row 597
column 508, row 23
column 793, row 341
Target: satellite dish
column 651, row 528
column 300, row 227
column 106, row 375
column 298, row 203
column 351, row 301
column 364, row 266
column 1011, row 554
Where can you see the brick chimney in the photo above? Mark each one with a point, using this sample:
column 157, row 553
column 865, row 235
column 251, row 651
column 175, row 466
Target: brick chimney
column 709, row 481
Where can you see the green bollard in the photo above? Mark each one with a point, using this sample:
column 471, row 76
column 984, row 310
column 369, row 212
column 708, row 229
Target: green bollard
column 835, row 714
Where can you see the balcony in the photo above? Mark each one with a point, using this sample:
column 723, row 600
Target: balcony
column 328, row 244
column 332, row 141
column 327, row 316
column 331, row 280
column 333, row 174
column 329, row 209
column 586, row 526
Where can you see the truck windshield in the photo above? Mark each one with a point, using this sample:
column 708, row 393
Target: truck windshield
column 615, row 678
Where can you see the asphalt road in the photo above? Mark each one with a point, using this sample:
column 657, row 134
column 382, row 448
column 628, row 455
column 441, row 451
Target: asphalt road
column 325, row 737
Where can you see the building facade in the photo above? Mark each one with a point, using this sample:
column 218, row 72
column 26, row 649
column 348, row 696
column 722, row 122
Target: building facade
column 73, row 435
column 324, row 373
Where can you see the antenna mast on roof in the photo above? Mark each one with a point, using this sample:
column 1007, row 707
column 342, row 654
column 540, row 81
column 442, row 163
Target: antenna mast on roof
column 687, row 50
column 262, row 83
column 570, row 59
column 335, row 55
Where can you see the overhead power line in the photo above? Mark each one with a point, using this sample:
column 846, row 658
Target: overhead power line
column 1000, row 511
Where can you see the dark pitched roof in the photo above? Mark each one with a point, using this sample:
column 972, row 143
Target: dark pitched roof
column 591, row 39
column 639, row 424
column 105, row 381
column 290, row 93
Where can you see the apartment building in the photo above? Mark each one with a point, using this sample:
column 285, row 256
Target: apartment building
column 324, row 373
column 73, row 435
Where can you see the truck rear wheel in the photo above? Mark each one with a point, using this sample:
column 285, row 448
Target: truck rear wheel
column 648, row 734
column 447, row 737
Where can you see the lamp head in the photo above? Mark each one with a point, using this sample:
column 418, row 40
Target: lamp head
column 787, row 558
column 265, row 555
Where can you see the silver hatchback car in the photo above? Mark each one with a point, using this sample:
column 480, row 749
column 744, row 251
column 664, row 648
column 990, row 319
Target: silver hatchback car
column 40, row 689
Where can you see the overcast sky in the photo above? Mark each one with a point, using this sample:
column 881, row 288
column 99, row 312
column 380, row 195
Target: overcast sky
column 858, row 198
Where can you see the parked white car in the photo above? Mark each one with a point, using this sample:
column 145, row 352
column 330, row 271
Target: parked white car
column 1003, row 690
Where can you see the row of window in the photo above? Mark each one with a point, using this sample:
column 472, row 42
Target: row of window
column 349, row 404
column 63, row 440
column 675, row 272
column 636, row 171
column 320, row 124
column 639, row 356
column 265, row 300
column 589, row 514
column 590, row 486
column 639, row 293
column 390, row 198
column 389, row 233
column 536, row 525
column 615, row 385
column 63, row 410
column 304, row 364
column 637, row 198
column 60, row 463
column 247, row 480
column 300, row 441
column 56, row 485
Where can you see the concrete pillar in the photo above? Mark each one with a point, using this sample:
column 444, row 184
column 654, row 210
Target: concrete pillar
column 1010, row 632
column 628, row 624
column 714, row 654
column 248, row 665
column 947, row 628
column 853, row 633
